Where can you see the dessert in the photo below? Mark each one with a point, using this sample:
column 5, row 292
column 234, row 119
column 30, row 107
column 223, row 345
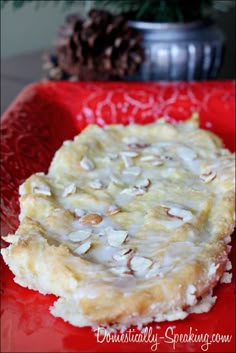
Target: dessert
column 131, row 224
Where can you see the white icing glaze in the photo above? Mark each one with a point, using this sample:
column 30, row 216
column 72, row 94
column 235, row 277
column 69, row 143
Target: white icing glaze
column 155, row 184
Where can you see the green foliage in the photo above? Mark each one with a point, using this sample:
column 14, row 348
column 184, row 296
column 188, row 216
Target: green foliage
column 143, row 10
column 17, row 4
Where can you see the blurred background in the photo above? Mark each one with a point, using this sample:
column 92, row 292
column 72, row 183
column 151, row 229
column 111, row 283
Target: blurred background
column 28, row 32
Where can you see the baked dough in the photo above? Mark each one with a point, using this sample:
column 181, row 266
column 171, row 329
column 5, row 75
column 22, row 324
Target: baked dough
column 129, row 226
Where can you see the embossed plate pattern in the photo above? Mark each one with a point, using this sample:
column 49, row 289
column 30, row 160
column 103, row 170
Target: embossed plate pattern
column 32, row 129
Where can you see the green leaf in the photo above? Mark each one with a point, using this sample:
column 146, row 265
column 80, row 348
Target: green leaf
column 145, row 10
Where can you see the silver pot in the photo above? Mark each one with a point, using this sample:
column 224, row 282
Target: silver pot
column 179, row 51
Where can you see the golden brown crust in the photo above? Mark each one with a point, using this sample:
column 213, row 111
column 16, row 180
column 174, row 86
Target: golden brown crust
column 130, row 225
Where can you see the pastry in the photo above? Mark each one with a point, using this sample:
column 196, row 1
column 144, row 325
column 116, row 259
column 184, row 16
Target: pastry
column 131, row 224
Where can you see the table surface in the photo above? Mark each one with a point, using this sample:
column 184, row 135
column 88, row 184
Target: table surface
column 17, row 72
column 21, row 70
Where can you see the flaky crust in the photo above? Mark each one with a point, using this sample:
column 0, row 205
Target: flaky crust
column 130, row 225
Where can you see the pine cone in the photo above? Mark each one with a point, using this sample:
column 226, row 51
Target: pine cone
column 103, row 47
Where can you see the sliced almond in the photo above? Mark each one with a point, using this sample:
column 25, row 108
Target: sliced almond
column 129, row 154
column 143, row 183
column 41, row 188
column 148, row 158
column 127, row 161
column 140, row 263
column 157, row 162
column 116, row 180
column 132, row 171
column 133, row 191
column 112, row 209
column 208, row 176
column 79, row 235
column 69, row 190
column 179, row 213
column 186, row 153
column 123, row 254
column 96, row 184
column 116, row 237
column 139, row 191
column 112, row 155
column 139, row 145
column 86, row 164
column 121, row 270
column 79, row 212
column 91, row 219
column 83, row 248
column 134, row 142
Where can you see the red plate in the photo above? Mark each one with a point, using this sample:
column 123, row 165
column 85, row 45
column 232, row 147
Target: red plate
column 33, row 128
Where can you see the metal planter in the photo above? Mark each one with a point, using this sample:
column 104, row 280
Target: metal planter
column 180, row 51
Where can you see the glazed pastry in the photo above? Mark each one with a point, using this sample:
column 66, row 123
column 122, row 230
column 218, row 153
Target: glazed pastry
column 130, row 225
